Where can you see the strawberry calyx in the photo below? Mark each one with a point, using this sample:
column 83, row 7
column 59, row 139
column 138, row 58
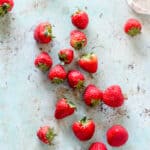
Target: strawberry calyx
column 95, row 102
column 84, row 120
column 43, row 67
column 50, row 135
column 80, row 84
column 79, row 45
column 63, row 57
column 76, row 12
column 134, row 31
column 87, row 56
column 48, row 31
column 4, row 9
column 71, row 104
column 57, row 80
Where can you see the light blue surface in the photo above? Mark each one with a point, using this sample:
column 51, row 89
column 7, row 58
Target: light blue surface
column 27, row 98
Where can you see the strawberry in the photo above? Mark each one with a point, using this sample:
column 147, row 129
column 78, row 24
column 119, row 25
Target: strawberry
column 43, row 61
column 43, row 33
column 84, row 129
column 64, row 108
column 97, row 146
column 57, row 74
column 46, row 134
column 80, row 19
column 76, row 79
column 113, row 96
column 117, row 135
column 92, row 95
column 78, row 39
column 89, row 62
column 132, row 27
column 6, row 6
column 66, row 55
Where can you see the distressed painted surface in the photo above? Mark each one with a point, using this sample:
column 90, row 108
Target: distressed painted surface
column 27, row 98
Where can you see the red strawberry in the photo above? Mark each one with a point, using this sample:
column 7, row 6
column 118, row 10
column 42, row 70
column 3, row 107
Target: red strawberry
column 64, row 108
column 66, row 55
column 92, row 95
column 46, row 134
column 6, row 6
column 84, row 129
column 89, row 62
column 43, row 33
column 78, row 39
column 98, row 146
column 43, row 61
column 117, row 136
column 57, row 74
column 113, row 96
column 76, row 79
column 132, row 27
column 80, row 19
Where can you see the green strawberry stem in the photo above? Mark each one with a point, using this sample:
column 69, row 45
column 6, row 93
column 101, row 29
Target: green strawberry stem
column 95, row 102
column 80, row 84
column 43, row 67
column 134, row 31
column 71, row 104
column 84, row 120
column 88, row 55
column 48, row 31
column 78, row 11
column 4, row 9
column 79, row 45
column 57, row 80
column 50, row 135
column 63, row 57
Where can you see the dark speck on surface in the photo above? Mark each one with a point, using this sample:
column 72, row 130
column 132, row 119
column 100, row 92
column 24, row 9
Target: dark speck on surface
column 13, row 18
column 102, row 108
column 61, row 91
column 93, row 48
column 86, row 7
column 147, row 111
column 35, row 70
column 128, row 116
column 35, row 5
column 29, row 77
column 138, row 88
column 97, row 35
column 131, row 66
column 91, row 76
column 100, row 15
